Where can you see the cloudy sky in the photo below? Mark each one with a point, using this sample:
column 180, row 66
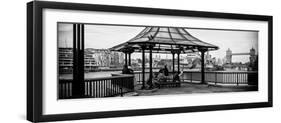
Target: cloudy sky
column 104, row 36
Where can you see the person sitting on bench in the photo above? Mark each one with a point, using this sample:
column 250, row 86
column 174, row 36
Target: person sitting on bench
column 127, row 70
column 164, row 70
column 176, row 77
column 161, row 77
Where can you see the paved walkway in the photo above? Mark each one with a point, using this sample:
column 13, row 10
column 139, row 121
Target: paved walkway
column 187, row 88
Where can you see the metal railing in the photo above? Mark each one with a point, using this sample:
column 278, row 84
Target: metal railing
column 99, row 87
column 218, row 77
column 119, row 84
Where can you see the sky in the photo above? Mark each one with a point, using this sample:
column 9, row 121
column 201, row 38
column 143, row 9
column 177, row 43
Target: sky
column 106, row 36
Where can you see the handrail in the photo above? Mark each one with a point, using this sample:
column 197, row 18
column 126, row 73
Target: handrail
column 207, row 72
column 99, row 87
column 216, row 77
column 104, row 78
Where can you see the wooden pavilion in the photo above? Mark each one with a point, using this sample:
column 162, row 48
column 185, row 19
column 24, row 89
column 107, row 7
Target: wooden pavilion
column 163, row 40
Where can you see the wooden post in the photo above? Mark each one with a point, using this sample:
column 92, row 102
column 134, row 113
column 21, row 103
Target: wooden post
column 202, row 65
column 129, row 58
column 178, row 62
column 78, row 61
column 75, row 66
column 150, row 67
column 126, row 59
column 173, row 55
column 143, row 67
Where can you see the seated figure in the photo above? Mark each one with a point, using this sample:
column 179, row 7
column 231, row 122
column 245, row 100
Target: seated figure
column 176, row 77
column 127, row 70
column 161, row 77
column 164, row 70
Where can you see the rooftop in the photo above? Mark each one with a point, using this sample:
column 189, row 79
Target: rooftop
column 165, row 39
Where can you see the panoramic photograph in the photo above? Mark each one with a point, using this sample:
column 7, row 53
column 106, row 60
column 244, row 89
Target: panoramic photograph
column 108, row 60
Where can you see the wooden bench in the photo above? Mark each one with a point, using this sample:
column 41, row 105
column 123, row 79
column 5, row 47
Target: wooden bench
column 168, row 83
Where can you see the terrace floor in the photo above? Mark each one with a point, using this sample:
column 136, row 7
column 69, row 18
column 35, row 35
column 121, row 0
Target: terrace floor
column 189, row 88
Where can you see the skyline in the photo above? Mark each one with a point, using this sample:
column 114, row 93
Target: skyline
column 237, row 41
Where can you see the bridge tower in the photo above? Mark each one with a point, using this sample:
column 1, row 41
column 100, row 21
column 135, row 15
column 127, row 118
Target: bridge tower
column 228, row 56
column 252, row 55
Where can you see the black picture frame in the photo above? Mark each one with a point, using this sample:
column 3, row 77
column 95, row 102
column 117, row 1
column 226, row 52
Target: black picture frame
column 34, row 60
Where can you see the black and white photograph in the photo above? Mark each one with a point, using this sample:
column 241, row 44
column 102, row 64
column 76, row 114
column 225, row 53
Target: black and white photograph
column 89, row 61
column 97, row 60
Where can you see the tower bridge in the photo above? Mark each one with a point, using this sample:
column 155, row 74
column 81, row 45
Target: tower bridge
column 229, row 54
column 240, row 54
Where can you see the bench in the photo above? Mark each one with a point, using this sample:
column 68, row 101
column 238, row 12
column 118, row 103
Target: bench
column 168, row 81
column 168, row 84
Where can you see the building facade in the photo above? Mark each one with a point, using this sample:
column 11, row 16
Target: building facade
column 94, row 59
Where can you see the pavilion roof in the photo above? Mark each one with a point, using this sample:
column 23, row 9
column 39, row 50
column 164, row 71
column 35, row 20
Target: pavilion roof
column 165, row 39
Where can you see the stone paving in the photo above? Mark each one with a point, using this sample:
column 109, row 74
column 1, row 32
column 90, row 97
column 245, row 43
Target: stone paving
column 188, row 88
